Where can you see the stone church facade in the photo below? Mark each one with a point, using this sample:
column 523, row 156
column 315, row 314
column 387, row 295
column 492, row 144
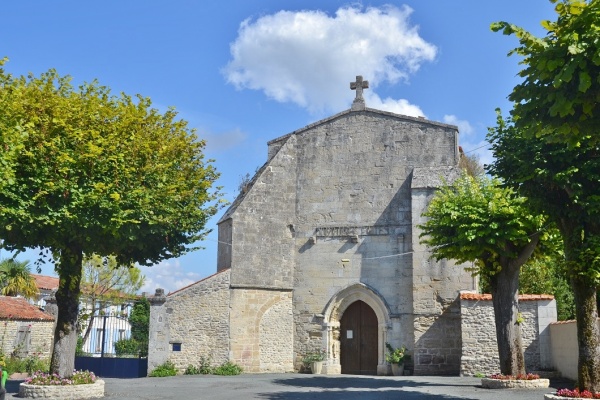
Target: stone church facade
column 321, row 251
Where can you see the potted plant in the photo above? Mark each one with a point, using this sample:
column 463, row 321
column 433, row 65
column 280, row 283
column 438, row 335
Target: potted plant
column 315, row 360
column 396, row 357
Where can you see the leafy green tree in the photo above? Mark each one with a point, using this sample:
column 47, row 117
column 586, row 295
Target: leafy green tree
column 476, row 220
column 99, row 174
column 15, row 279
column 105, row 283
column 559, row 98
column 564, row 184
column 140, row 323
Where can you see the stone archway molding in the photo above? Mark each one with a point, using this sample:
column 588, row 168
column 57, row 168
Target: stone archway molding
column 332, row 315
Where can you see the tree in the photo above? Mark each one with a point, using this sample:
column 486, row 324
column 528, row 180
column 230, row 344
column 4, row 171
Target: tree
column 564, row 184
column 99, row 174
column 15, row 279
column 559, row 98
column 140, row 324
column 104, row 282
column 470, row 164
column 476, row 220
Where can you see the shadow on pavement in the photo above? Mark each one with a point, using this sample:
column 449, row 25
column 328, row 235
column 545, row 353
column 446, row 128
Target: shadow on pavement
column 360, row 382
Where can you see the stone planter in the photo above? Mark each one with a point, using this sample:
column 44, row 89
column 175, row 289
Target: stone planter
column 398, row 369
column 89, row 391
column 316, row 367
column 490, row 383
column 555, row 397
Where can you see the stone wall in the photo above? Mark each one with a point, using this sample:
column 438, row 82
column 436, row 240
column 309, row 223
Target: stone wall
column 39, row 336
column 478, row 328
column 261, row 330
column 191, row 323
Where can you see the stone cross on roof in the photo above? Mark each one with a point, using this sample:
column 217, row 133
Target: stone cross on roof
column 359, row 85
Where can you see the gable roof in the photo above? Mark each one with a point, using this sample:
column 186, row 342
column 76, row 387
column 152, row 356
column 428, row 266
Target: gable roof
column 44, row 282
column 17, row 308
column 229, row 212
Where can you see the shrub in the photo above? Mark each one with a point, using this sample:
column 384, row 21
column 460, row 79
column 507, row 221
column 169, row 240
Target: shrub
column 205, row 367
column 166, row 369
column 191, row 370
column 228, row 368
column 44, row 379
column 127, row 347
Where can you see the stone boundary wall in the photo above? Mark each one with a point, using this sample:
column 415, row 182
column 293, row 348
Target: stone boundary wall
column 565, row 351
column 191, row 323
column 41, row 336
column 478, row 331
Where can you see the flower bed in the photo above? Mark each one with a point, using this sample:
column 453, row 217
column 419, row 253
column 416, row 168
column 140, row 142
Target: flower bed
column 82, row 385
column 528, row 381
column 571, row 394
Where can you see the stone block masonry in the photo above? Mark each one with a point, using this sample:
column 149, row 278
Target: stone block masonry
column 478, row 329
column 191, row 323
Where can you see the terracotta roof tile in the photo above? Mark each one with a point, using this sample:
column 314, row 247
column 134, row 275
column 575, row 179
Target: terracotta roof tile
column 44, row 282
column 488, row 297
column 17, row 308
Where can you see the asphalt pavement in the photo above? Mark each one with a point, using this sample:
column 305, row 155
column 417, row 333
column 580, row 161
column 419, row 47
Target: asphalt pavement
column 309, row 387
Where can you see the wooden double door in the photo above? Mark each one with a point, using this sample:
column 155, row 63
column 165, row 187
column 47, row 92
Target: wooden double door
column 358, row 340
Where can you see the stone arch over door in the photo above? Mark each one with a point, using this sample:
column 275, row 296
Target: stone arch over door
column 332, row 316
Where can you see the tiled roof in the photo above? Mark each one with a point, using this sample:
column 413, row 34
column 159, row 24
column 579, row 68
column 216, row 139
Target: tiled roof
column 488, row 297
column 44, row 282
column 17, row 308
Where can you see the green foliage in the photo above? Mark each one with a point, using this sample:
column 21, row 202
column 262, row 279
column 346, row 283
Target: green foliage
column 140, row 324
column 559, row 96
column 558, row 181
column 79, row 349
column 191, row 370
column 16, row 279
column 28, row 364
column 205, row 367
column 110, row 174
column 228, row 368
column 313, row 356
column 127, row 347
column 166, row 369
column 476, row 220
column 395, row 355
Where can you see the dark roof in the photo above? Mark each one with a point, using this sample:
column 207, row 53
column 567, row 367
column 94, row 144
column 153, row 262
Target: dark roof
column 17, row 308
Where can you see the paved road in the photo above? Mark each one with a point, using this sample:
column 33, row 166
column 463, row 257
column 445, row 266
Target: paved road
column 309, row 387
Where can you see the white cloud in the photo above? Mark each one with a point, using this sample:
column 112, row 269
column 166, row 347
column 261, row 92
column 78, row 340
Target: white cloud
column 401, row 106
column 464, row 127
column 309, row 57
column 168, row 275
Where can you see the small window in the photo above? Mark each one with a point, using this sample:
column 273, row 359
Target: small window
column 176, row 346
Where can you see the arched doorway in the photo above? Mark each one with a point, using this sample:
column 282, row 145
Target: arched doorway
column 359, row 340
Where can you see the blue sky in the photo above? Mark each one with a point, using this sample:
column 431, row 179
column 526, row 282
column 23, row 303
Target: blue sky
column 245, row 72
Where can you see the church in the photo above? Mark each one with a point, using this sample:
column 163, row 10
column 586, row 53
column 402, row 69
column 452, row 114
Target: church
column 321, row 252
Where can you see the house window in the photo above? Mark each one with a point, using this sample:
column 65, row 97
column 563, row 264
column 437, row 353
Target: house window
column 176, row 346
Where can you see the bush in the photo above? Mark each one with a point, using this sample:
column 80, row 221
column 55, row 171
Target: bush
column 228, row 368
column 191, row 370
column 166, row 369
column 127, row 347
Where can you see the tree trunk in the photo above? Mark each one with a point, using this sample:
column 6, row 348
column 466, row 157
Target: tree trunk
column 67, row 300
column 586, row 310
column 505, row 297
column 588, row 334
